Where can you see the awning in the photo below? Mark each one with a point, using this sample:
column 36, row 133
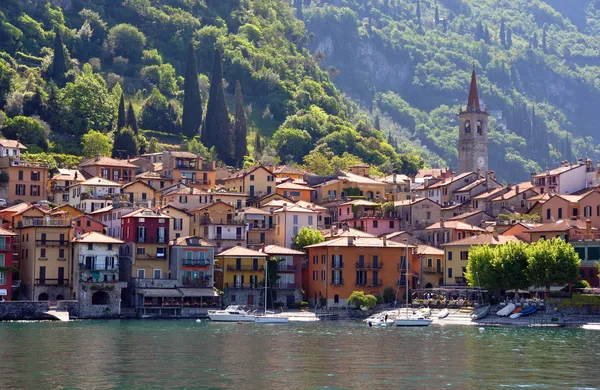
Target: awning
column 198, row 292
column 159, row 292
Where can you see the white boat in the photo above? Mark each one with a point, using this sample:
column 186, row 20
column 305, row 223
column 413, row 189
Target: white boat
column 426, row 312
column 481, row 312
column 515, row 316
column 506, row 310
column 269, row 317
column 443, row 314
column 379, row 320
column 231, row 314
column 415, row 319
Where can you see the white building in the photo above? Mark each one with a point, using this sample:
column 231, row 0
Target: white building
column 93, row 194
column 97, row 257
column 289, row 221
column 11, row 148
column 566, row 179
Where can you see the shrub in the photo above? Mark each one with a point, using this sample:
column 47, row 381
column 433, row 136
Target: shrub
column 379, row 298
column 360, row 300
column 581, row 284
column 389, row 295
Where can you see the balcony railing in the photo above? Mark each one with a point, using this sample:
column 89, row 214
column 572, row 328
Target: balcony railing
column 282, row 286
column 259, row 241
column 242, row 285
column 98, row 267
column 87, row 195
column 196, row 262
column 286, row 267
column 378, row 265
column 44, row 221
column 146, row 240
column 52, row 282
column 337, row 282
column 337, row 264
column 249, row 268
column 213, row 221
column 369, row 283
column 52, row 242
column 261, row 227
column 433, row 270
column 460, row 280
column 197, row 283
column 220, row 237
column 585, row 236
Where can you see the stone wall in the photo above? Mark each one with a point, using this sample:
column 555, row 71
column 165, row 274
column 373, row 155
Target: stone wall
column 86, row 293
column 283, row 294
column 23, row 310
column 71, row 306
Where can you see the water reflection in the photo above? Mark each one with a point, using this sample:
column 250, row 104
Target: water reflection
column 178, row 354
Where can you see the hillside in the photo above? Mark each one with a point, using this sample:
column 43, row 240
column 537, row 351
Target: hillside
column 61, row 93
column 537, row 61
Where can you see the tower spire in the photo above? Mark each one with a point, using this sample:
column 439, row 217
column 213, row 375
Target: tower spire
column 473, row 102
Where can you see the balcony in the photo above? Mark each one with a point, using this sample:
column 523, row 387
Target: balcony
column 197, row 283
column 196, row 263
column 44, row 221
column 286, row 267
column 87, row 195
column 52, row 242
column 241, row 286
column 337, row 282
column 98, row 267
column 258, row 242
column 282, row 286
column 460, row 280
column 584, row 236
column 52, row 282
column 337, row 264
column 261, row 227
column 246, row 268
column 433, row 270
column 220, row 237
column 146, row 240
column 368, row 266
column 213, row 221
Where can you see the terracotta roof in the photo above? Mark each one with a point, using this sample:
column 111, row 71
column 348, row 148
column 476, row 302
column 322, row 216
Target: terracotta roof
column 358, row 178
column 183, row 241
column 471, row 185
column 68, row 175
column 183, row 154
column 107, row 161
column 473, row 102
column 279, row 250
column 458, row 225
column 145, row 213
column 4, row 232
column 17, row 208
column 399, row 179
column 559, row 170
column 140, row 182
column 157, row 166
column 466, row 215
column 450, row 180
column 525, row 186
column 175, row 208
column 285, row 169
column 294, row 186
column 9, row 143
column 97, row 238
column 309, row 205
column 243, row 172
column 206, row 206
column 408, row 202
column 434, row 172
column 351, row 232
column 490, row 194
column 277, row 203
column 254, row 210
column 151, row 175
column 238, row 251
column 187, row 191
column 359, row 202
column 483, row 239
column 102, row 210
column 562, row 225
column 98, row 181
column 359, row 242
column 294, row 209
column 429, row 250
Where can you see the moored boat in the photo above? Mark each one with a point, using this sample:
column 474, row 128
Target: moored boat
column 443, row 314
column 481, row 312
column 415, row 319
column 514, row 316
column 269, row 317
column 379, row 320
column 232, row 313
column 506, row 310
column 528, row 310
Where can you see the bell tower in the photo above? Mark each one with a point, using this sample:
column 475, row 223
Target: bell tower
column 473, row 133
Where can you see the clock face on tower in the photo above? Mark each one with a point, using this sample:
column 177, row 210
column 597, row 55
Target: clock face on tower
column 480, row 162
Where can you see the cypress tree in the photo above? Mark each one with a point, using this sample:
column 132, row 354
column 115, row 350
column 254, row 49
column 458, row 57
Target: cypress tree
column 534, row 40
column 192, row 102
column 299, row 10
column 240, row 128
column 390, row 140
column 217, row 129
column 125, row 144
column 257, row 145
column 419, row 11
column 502, row 33
column 544, row 45
column 131, row 120
column 121, row 120
column 377, row 123
column 437, row 16
column 509, row 38
column 59, row 60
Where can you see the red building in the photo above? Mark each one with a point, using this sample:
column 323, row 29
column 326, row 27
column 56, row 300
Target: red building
column 87, row 224
column 6, row 260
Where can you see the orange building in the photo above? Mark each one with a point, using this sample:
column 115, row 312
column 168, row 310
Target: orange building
column 340, row 266
column 294, row 191
column 119, row 171
column 27, row 181
column 189, row 169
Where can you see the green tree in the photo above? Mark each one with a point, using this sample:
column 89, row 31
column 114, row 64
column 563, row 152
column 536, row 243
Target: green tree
column 131, row 120
column 159, row 114
column 28, row 131
column 59, row 59
column 502, row 33
column 192, row 102
column 318, row 163
column 307, row 236
column 153, row 145
column 127, row 41
column 240, row 126
column 511, row 261
column 437, row 16
column 360, row 300
column 552, row 263
column 7, row 75
column 292, row 144
column 481, row 268
column 217, row 128
column 95, row 143
column 389, row 295
column 121, row 120
column 125, row 144
column 258, row 145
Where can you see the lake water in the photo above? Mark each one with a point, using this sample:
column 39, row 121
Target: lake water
column 185, row 354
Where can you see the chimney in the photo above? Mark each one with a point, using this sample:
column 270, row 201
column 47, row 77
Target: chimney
column 547, row 171
column 350, row 241
column 478, row 173
column 384, row 241
column 441, row 223
column 517, row 190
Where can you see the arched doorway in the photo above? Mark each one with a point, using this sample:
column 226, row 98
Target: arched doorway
column 100, row 298
column 43, row 297
column 60, row 298
column 428, row 285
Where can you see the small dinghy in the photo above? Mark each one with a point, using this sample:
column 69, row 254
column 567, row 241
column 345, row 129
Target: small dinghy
column 514, row 316
column 528, row 310
column 443, row 314
column 506, row 310
column 481, row 312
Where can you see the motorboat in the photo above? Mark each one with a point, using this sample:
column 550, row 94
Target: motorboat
column 443, row 314
column 425, row 312
column 514, row 316
column 379, row 320
column 232, row 313
column 271, row 318
column 481, row 312
column 506, row 310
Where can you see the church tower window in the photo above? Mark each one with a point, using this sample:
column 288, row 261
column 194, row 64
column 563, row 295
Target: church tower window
column 467, row 127
column 479, row 128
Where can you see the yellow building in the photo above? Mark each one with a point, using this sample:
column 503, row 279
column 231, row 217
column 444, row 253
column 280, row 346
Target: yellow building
column 141, row 194
column 261, row 227
column 214, row 213
column 456, row 254
column 432, row 266
column 256, row 181
column 350, row 184
column 180, row 224
column 45, row 258
column 243, row 271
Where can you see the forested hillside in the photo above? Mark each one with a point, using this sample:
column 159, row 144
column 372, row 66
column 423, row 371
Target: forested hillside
column 538, row 65
column 117, row 77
